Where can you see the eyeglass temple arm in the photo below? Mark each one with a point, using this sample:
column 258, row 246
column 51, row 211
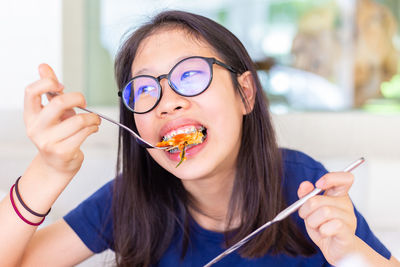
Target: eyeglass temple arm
column 225, row 66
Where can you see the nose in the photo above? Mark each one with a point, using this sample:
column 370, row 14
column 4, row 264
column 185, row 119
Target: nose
column 170, row 102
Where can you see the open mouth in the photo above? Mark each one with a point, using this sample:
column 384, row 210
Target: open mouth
column 191, row 135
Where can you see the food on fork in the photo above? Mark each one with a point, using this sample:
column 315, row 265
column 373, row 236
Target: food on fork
column 182, row 141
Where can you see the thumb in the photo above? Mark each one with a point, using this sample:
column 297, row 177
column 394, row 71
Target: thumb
column 45, row 71
column 304, row 188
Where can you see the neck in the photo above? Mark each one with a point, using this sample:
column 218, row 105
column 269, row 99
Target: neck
column 211, row 197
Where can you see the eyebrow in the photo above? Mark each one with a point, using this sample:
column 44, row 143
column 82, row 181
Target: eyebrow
column 147, row 70
column 141, row 71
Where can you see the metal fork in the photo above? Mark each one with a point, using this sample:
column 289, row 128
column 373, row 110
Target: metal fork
column 139, row 139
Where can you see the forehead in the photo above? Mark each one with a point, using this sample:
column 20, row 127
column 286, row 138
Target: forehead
column 161, row 50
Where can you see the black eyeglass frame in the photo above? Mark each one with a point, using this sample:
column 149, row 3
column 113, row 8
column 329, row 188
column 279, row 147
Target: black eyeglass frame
column 210, row 60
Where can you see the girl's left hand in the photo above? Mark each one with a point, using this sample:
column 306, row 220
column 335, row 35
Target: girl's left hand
column 330, row 220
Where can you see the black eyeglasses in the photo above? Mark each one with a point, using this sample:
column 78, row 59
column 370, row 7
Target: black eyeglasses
column 189, row 77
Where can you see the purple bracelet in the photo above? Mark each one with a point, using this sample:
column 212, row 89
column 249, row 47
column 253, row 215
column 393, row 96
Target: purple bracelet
column 17, row 211
column 23, row 203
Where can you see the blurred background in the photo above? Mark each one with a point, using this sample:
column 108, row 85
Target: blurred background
column 329, row 67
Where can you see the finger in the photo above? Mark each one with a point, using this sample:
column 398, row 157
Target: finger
column 33, row 95
column 67, row 114
column 304, row 188
column 45, row 71
column 53, row 111
column 334, row 227
column 78, row 138
column 72, row 125
column 319, row 201
column 336, row 183
column 325, row 214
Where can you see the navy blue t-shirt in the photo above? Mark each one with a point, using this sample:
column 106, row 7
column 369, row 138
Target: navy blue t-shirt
column 92, row 222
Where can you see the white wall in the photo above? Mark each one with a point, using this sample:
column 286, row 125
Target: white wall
column 30, row 33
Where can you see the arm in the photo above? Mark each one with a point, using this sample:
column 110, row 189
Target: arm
column 55, row 245
column 331, row 222
column 58, row 133
column 372, row 257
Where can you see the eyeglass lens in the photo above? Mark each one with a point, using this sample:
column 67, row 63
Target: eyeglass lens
column 189, row 77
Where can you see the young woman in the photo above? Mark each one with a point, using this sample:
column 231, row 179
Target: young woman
column 186, row 73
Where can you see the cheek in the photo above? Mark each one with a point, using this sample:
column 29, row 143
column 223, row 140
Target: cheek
column 224, row 112
column 143, row 125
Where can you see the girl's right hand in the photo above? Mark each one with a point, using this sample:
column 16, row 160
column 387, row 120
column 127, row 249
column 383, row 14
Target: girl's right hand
column 55, row 129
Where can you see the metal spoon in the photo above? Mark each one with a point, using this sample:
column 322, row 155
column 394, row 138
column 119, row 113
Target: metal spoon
column 282, row 215
column 139, row 140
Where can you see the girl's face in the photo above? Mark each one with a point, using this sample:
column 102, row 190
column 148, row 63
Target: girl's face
column 219, row 109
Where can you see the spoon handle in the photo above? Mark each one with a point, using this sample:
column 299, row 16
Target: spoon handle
column 140, row 140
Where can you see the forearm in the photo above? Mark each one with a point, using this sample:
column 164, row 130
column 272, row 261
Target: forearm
column 39, row 188
column 372, row 257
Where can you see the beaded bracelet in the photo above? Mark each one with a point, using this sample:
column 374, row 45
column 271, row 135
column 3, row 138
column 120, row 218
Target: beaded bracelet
column 23, row 203
column 17, row 211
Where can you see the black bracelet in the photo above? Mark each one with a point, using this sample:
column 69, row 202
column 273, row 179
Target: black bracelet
column 24, row 205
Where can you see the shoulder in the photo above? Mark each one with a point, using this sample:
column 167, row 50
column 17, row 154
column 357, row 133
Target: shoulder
column 92, row 221
column 103, row 193
column 299, row 167
column 297, row 160
column 300, row 164
column 98, row 205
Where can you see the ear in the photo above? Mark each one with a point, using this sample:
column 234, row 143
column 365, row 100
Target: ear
column 249, row 90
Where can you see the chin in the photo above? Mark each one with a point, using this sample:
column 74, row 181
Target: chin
column 189, row 170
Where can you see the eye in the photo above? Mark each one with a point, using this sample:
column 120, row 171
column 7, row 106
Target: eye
column 189, row 74
column 147, row 89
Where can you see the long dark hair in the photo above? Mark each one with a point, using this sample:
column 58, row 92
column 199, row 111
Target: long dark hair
column 150, row 204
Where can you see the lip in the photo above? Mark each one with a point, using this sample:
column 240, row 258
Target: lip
column 176, row 124
column 189, row 153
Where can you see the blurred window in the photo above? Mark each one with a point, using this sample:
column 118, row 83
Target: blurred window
column 311, row 54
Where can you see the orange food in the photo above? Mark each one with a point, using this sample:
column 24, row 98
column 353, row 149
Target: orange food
column 181, row 141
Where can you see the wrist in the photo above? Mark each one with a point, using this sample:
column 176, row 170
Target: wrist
column 40, row 186
column 47, row 174
column 368, row 254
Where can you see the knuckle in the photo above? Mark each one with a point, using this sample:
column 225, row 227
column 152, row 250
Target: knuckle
column 91, row 129
column 28, row 90
column 30, row 132
column 324, row 231
column 50, row 82
column 95, row 118
column 312, row 223
column 59, row 100
column 80, row 120
column 313, row 203
column 80, row 98
column 326, row 212
column 44, row 146
column 61, row 154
